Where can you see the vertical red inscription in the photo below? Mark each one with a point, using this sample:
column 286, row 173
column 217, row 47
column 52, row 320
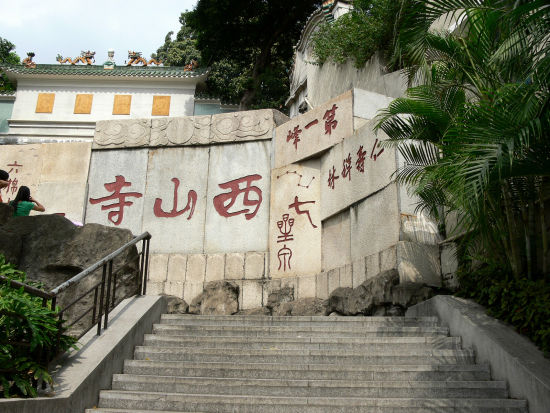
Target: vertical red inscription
column 330, row 123
column 294, row 136
column 360, row 163
column 332, row 177
column 296, row 205
column 346, row 167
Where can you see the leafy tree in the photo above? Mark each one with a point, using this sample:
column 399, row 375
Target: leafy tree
column 474, row 133
column 7, row 56
column 254, row 40
column 357, row 35
column 180, row 51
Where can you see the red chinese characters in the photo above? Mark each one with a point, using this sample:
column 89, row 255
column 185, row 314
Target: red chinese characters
column 296, row 205
column 191, row 202
column 13, row 183
column 225, row 201
column 294, row 136
column 285, row 253
column 117, row 215
column 376, row 155
column 332, row 177
column 330, row 123
column 360, row 163
column 346, row 167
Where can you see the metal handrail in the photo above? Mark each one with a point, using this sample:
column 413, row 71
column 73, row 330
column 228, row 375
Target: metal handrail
column 98, row 264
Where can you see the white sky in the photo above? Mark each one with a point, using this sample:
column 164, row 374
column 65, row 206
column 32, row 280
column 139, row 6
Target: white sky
column 49, row 27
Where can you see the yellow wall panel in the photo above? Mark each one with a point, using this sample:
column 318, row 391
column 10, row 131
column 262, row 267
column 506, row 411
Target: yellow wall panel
column 122, row 104
column 44, row 104
column 161, row 106
column 83, row 104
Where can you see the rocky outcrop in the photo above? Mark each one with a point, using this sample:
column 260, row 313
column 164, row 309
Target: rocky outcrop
column 217, row 298
column 277, row 297
column 301, row 307
column 51, row 250
column 176, row 305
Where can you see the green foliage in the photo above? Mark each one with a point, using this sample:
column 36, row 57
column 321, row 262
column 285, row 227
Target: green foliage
column 523, row 303
column 474, row 134
column 180, row 51
column 7, row 55
column 28, row 331
column 358, row 34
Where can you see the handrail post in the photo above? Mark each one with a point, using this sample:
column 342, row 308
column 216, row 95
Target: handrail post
column 101, row 295
column 108, row 294
column 146, row 268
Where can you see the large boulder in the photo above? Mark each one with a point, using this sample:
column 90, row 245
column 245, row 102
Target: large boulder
column 53, row 250
column 176, row 305
column 217, row 298
column 277, row 297
column 301, row 307
column 364, row 299
column 408, row 294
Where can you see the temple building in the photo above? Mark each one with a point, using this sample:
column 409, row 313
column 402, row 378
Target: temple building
column 62, row 102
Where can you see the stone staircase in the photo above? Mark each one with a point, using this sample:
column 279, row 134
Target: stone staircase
column 303, row 364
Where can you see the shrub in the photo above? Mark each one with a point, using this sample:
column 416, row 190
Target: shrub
column 523, row 303
column 28, row 332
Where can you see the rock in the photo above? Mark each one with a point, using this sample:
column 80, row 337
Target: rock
column 284, row 295
column 395, row 311
column 373, row 292
column 6, row 212
column 53, row 250
column 176, row 305
column 379, row 311
column 217, row 298
column 10, row 246
column 408, row 294
column 301, row 307
column 255, row 311
column 309, row 306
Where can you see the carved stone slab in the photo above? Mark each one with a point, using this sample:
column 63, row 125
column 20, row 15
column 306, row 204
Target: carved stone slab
column 128, row 133
column 189, row 130
column 295, row 224
column 24, row 164
column 175, row 199
column 242, row 126
column 354, row 169
column 314, row 131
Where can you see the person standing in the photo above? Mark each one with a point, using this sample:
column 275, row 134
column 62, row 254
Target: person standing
column 24, row 203
column 4, row 181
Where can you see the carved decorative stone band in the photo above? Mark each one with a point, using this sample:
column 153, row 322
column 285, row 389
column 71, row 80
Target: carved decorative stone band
column 190, row 130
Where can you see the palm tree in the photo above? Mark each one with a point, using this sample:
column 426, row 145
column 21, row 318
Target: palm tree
column 474, row 133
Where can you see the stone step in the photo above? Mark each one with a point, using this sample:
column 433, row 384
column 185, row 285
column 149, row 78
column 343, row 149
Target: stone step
column 440, row 372
column 413, row 356
column 277, row 331
column 311, row 388
column 107, row 410
column 319, row 321
column 269, row 404
column 304, row 343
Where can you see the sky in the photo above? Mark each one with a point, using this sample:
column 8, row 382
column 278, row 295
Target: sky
column 66, row 27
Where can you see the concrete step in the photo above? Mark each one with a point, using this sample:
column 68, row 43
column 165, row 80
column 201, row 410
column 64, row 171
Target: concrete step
column 269, row 404
column 440, row 372
column 304, row 343
column 311, row 388
column 319, row 321
column 413, row 356
column 298, row 331
column 106, row 410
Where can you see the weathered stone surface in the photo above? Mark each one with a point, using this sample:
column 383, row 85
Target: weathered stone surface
column 234, row 266
column 301, row 307
column 314, row 131
column 196, row 269
column 189, row 130
column 6, row 212
column 360, row 167
column 192, row 290
column 306, row 286
column 418, row 263
column 175, row 305
column 254, row 265
column 366, row 104
column 408, row 294
column 388, row 258
column 176, row 180
column 295, row 225
column 359, row 270
column 363, row 299
column 105, row 168
column 158, row 267
column 242, row 126
column 24, row 164
column 346, row 277
column 321, row 286
column 255, row 311
column 231, row 224
column 333, row 279
column 174, row 288
column 127, row 133
column 336, row 241
column 374, row 223
column 177, row 264
column 277, row 297
column 372, row 263
column 252, row 291
column 218, row 298
column 215, row 267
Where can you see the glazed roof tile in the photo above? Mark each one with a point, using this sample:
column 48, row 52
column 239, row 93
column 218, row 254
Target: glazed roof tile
column 98, row 70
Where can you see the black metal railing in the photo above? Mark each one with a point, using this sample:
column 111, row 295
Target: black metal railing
column 104, row 290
